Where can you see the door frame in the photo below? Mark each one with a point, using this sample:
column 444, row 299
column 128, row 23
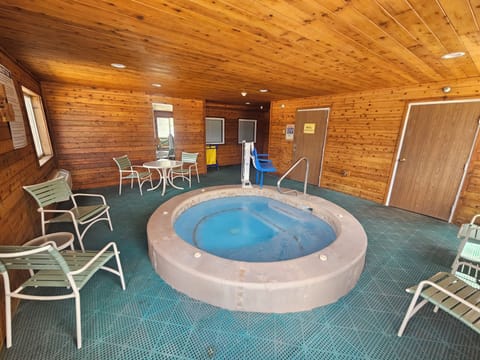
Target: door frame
column 402, row 139
column 327, row 108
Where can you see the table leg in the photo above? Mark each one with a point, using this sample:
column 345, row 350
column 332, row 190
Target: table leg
column 165, row 176
column 159, row 182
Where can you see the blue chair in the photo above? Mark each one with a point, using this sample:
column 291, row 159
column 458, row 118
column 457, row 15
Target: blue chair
column 262, row 164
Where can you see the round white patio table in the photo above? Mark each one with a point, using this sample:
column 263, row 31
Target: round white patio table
column 62, row 240
column 163, row 166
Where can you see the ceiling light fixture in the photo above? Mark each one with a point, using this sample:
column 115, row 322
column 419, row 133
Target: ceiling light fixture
column 118, row 66
column 157, row 85
column 244, row 93
column 453, row 55
column 446, row 89
column 247, row 103
column 263, row 90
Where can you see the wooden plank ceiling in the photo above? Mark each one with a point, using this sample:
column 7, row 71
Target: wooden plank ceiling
column 214, row 50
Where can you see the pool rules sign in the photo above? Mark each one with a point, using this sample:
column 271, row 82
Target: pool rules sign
column 289, row 132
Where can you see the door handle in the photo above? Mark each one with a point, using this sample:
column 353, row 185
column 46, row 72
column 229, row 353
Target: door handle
column 402, row 160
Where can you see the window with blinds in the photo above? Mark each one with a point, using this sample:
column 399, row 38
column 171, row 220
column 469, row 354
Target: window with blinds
column 214, row 131
column 247, row 130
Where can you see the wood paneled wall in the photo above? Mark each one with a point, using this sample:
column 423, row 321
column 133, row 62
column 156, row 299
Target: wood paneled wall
column 90, row 126
column 19, row 219
column 230, row 153
column 363, row 135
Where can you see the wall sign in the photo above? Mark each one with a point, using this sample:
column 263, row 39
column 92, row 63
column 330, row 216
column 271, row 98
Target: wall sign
column 17, row 128
column 289, row 132
column 309, row 128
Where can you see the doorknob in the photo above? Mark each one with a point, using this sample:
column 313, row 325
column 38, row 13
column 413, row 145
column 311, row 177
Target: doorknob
column 402, row 160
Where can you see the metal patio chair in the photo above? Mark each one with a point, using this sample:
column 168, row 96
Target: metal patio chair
column 56, row 191
column 189, row 164
column 69, row 270
column 132, row 172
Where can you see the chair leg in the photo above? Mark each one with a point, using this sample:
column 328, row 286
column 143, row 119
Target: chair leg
column 109, row 220
column 78, row 319
column 119, row 266
column 196, row 172
column 140, row 186
column 8, row 320
column 412, row 309
column 79, row 236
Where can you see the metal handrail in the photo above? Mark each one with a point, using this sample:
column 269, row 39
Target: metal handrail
column 307, row 169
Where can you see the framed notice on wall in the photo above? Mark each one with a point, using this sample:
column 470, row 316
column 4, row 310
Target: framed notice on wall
column 289, row 132
column 12, row 108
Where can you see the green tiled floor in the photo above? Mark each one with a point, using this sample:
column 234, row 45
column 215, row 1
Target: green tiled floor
column 150, row 320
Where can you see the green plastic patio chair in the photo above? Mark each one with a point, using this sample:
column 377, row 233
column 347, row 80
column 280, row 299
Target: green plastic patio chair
column 132, row 172
column 69, row 270
column 56, row 191
column 189, row 164
column 449, row 293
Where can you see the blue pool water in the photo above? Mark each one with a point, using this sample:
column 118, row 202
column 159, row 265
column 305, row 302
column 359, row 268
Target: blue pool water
column 254, row 229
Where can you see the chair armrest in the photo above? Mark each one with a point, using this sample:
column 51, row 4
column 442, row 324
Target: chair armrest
column 92, row 260
column 425, row 283
column 56, row 211
column 474, row 219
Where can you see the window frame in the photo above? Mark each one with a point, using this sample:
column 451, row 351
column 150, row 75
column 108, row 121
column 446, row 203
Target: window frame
column 240, row 121
column 37, row 121
column 214, row 139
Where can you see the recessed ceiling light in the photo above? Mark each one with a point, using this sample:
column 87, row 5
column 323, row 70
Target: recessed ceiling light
column 247, row 103
column 263, row 90
column 244, row 93
column 453, row 55
column 118, row 66
column 157, row 85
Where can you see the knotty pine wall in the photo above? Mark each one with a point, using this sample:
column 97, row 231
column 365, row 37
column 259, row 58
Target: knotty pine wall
column 230, row 153
column 19, row 219
column 363, row 136
column 90, row 126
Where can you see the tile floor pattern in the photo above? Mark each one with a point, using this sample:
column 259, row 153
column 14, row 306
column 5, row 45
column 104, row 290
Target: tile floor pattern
column 150, row 320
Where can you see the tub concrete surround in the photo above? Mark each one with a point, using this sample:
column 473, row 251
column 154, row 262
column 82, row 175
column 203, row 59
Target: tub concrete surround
column 285, row 286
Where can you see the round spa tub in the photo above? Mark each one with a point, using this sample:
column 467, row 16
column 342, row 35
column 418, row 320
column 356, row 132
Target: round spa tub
column 298, row 284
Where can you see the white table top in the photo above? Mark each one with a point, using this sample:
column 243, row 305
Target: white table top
column 162, row 164
column 62, row 240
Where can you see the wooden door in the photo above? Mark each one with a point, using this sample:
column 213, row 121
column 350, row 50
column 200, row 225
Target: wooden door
column 309, row 141
column 435, row 151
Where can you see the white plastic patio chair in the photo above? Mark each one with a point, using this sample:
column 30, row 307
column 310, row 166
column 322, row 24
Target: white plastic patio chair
column 70, row 270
